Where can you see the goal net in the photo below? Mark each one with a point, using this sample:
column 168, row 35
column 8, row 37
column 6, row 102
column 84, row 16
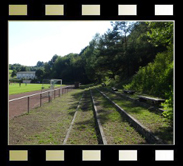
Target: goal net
column 50, row 84
column 54, row 82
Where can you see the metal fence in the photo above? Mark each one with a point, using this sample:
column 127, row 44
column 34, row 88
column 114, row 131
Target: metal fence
column 24, row 104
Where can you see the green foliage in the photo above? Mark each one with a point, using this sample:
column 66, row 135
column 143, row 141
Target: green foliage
column 161, row 33
column 39, row 73
column 13, row 74
column 156, row 78
column 40, row 64
column 168, row 106
column 14, row 80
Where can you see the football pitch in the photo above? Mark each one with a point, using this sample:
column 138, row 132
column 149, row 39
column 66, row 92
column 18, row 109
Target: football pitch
column 16, row 89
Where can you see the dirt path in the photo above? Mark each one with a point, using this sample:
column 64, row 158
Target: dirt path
column 19, row 107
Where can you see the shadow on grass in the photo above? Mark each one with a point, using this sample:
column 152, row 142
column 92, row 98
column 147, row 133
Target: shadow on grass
column 130, row 106
column 86, row 105
column 107, row 113
column 166, row 134
column 93, row 124
column 86, row 86
column 86, row 122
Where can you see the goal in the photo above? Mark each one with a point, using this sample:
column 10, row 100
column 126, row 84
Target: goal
column 53, row 82
column 50, row 84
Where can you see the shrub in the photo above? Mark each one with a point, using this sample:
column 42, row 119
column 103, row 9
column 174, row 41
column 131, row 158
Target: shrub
column 156, row 78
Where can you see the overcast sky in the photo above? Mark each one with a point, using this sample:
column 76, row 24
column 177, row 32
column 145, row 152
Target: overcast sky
column 33, row 41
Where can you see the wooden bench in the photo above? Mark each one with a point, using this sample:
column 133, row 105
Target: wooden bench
column 114, row 89
column 129, row 91
column 153, row 100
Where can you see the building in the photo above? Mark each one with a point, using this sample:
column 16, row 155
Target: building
column 26, row 75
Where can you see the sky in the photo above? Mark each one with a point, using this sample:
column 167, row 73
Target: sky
column 33, row 41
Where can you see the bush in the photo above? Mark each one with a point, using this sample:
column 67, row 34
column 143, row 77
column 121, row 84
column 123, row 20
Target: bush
column 34, row 80
column 14, row 80
column 168, row 105
column 168, row 113
column 156, row 78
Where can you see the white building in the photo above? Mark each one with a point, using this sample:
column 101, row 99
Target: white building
column 26, row 74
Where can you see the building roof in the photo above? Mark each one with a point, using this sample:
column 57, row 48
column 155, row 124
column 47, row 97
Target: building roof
column 26, row 72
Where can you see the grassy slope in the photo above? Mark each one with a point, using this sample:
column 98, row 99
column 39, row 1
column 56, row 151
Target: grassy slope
column 151, row 119
column 116, row 129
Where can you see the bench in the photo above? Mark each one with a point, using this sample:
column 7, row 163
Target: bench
column 114, row 89
column 153, row 100
column 129, row 91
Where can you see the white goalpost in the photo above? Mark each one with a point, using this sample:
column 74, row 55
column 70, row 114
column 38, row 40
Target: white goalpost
column 52, row 84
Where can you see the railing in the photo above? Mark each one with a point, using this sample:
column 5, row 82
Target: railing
column 19, row 105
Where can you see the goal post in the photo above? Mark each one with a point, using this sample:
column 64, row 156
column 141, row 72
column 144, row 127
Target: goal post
column 52, row 84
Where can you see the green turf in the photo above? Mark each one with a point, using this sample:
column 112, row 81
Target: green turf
column 16, row 89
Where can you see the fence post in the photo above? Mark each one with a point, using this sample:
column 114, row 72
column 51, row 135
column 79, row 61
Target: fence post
column 49, row 96
column 59, row 92
column 54, row 93
column 28, row 104
column 40, row 99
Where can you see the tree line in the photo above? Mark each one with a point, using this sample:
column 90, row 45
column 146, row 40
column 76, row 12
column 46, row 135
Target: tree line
column 18, row 67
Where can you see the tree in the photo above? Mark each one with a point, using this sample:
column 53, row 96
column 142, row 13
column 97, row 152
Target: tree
column 39, row 73
column 47, row 70
column 161, row 33
column 13, row 73
column 89, row 61
column 40, row 64
column 23, row 68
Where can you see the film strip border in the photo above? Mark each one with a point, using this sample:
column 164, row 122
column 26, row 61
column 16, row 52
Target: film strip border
column 91, row 155
column 99, row 155
column 91, row 10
